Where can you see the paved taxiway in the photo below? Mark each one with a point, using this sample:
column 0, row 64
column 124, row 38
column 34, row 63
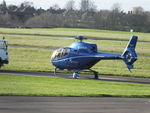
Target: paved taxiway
column 21, row 104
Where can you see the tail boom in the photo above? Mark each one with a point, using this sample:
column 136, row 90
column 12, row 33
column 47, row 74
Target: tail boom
column 129, row 55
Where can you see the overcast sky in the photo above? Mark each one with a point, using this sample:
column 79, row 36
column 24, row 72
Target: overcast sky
column 126, row 5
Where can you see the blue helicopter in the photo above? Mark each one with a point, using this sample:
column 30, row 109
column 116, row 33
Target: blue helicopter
column 81, row 55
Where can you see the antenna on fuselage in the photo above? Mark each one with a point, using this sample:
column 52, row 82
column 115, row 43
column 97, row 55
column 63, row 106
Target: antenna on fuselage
column 80, row 38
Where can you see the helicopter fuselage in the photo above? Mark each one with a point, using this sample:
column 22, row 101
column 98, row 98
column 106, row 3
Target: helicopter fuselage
column 76, row 61
column 79, row 55
column 82, row 55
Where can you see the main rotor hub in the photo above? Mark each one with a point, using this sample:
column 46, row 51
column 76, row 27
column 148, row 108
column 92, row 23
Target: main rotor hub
column 80, row 38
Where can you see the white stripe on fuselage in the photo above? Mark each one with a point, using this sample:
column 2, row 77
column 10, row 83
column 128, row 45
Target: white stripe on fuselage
column 77, row 57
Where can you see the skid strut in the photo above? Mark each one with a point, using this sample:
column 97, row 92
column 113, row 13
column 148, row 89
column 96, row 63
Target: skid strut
column 95, row 74
column 55, row 71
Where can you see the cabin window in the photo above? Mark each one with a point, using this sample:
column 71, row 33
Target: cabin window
column 60, row 53
column 93, row 49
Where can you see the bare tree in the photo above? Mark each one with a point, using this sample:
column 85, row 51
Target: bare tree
column 45, row 20
column 26, row 4
column 92, row 7
column 84, row 5
column 116, row 7
column 87, row 5
column 55, row 7
column 3, row 7
column 70, row 5
column 5, row 20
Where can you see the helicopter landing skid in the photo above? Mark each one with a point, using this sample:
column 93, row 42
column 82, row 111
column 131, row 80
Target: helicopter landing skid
column 95, row 73
column 75, row 74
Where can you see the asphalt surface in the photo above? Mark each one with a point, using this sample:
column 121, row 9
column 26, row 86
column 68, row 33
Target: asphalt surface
column 82, row 76
column 21, row 104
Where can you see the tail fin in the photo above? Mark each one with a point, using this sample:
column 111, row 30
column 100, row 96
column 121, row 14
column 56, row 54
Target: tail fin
column 129, row 55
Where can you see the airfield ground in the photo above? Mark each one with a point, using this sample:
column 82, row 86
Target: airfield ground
column 25, row 57
column 28, row 52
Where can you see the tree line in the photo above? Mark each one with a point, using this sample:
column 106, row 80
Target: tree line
column 87, row 16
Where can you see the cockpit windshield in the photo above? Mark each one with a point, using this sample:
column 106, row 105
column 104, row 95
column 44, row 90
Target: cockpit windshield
column 3, row 45
column 61, row 52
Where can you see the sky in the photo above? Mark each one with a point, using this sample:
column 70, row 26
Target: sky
column 126, row 5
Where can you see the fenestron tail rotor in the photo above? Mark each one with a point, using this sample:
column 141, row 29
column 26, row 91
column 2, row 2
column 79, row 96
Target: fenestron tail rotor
column 129, row 55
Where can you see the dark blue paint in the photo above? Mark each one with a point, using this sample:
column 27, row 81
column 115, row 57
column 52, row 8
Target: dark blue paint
column 82, row 55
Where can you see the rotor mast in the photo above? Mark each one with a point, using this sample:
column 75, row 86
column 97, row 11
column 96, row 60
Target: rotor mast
column 81, row 38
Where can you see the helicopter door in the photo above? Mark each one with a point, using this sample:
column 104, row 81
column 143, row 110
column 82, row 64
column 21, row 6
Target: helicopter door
column 71, row 61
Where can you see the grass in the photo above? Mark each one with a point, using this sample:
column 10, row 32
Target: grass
column 27, row 59
column 78, row 32
column 48, row 86
column 37, row 41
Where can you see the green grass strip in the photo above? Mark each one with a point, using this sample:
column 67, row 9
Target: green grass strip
column 52, row 86
column 77, row 32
